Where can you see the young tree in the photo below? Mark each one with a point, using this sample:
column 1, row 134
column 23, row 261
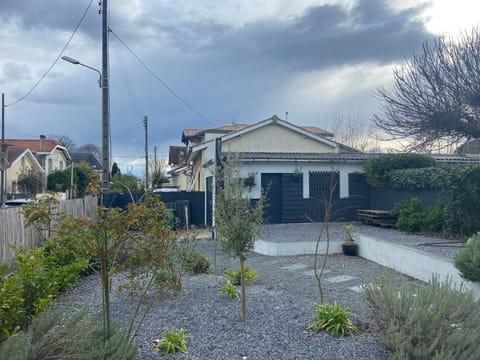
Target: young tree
column 65, row 140
column 29, row 181
column 237, row 220
column 436, row 95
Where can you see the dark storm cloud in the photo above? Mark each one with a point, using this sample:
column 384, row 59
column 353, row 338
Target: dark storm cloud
column 321, row 37
column 51, row 15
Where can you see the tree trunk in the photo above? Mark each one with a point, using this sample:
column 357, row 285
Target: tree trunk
column 242, row 283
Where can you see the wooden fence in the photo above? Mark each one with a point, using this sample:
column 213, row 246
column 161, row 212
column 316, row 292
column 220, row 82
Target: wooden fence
column 14, row 232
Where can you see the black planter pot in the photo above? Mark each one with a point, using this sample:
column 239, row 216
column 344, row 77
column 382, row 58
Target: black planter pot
column 350, row 249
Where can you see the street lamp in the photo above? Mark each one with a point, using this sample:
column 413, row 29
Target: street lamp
column 103, row 82
column 76, row 62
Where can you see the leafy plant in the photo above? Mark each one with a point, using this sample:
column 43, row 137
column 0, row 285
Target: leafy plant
column 436, row 321
column 332, row 318
column 467, row 259
column 412, row 217
column 347, row 229
column 228, row 290
column 235, row 276
column 172, row 341
column 67, row 334
column 37, row 279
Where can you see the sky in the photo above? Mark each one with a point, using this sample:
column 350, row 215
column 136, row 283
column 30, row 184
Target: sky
column 204, row 63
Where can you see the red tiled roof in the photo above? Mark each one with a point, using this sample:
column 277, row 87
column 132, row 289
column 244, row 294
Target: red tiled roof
column 191, row 132
column 33, row 145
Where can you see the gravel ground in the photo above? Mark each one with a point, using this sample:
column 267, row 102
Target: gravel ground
column 309, row 232
column 279, row 307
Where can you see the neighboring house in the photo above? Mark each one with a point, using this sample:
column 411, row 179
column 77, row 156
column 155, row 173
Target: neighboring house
column 19, row 162
column 50, row 154
column 178, row 170
column 88, row 158
column 294, row 163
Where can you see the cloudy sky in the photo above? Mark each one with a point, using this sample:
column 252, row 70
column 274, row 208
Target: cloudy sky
column 230, row 61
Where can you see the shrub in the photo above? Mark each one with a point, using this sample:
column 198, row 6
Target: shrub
column 413, row 218
column 236, row 275
column 172, row 341
column 33, row 285
column 67, row 334
column 377, row 170
column 228, row 290
column 467, row 260
column 332, row 318
column 439, row 321
column 196, row 263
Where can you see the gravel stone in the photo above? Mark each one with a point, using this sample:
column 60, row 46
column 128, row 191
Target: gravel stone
column 280, row 304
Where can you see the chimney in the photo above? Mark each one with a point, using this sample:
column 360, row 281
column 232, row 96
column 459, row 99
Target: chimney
column 42, row 143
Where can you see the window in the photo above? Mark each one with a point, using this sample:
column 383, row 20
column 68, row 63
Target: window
column 50, row 166
column 61, row 165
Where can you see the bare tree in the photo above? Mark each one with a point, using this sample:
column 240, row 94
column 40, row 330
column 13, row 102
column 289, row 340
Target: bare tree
column 65, row 140
column 436, row 95
column 92, row 148
column 158, row 169
column 353, row 129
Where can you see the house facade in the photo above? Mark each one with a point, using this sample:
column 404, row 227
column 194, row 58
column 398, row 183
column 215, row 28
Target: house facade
column 20, row 162
column 50, row 154
column 295, row 165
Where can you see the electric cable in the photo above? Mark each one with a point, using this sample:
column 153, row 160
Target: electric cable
column 56, row 60
column 184, row 102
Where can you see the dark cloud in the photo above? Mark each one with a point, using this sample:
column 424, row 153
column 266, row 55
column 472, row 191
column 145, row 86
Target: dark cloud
column 323, row 36
column 52, row 15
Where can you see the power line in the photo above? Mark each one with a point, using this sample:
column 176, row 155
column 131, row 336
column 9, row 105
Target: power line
column 57, row 58
column 136, row 125
column 184, row 102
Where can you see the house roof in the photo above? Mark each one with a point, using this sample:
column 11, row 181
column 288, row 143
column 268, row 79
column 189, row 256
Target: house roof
column 33, row 145
column 15, row 154
column 344, row 156
column 88, row 157
column 176, row 155
column 38, row 147
column 189, row 134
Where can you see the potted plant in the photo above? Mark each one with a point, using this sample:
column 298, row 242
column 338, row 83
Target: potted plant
column 249, row 180
column 349, row 247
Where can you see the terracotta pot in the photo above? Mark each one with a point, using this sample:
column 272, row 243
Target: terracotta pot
column 350, row 248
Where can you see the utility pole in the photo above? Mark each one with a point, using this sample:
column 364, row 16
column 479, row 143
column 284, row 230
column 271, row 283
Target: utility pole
column 3, row 158
column 145, row 123
column 105, row 103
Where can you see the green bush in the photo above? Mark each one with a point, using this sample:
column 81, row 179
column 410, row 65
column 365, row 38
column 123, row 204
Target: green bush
column 32, row 287
column 437, row 321
column 67, row 334
column 235, row 276
column 195, row 263
column 412, row 217
column 467, row 260
column 377, row 170
column 332, row 318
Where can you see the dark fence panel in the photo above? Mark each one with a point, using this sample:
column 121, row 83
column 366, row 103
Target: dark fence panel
column 386, row 198
column 292, row 198
column 176, row 201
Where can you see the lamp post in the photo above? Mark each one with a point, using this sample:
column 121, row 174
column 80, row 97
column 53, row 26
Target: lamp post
column 103, row 82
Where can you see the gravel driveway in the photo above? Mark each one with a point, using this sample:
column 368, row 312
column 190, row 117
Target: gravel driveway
column 279, row 307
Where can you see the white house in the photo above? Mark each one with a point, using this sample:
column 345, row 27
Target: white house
column 296, row 164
